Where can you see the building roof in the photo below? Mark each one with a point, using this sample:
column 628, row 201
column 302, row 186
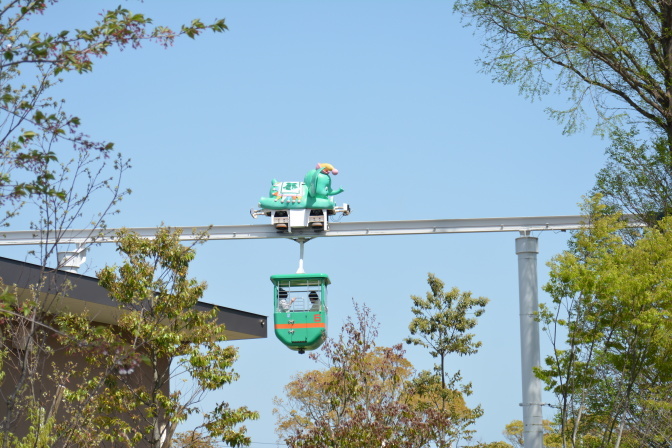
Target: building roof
column 84, row 293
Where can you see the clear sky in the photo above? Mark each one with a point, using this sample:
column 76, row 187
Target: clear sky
column 389, row 92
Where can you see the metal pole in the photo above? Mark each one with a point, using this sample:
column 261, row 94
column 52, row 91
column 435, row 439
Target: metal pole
column 527, row 248
column 301, row 243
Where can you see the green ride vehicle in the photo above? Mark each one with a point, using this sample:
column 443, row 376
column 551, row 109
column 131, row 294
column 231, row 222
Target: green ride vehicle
column 300, row 310
column 300, row 300
column 306, row 204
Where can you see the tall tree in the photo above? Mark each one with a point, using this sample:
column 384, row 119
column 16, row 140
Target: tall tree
column 613, row 55
column 159, row 337
column 442, row 323
column 609, row 323
column 365, row 396
column 59, row 176
column 609, row 294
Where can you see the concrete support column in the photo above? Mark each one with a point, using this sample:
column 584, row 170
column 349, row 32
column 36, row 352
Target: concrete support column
column 527, row 248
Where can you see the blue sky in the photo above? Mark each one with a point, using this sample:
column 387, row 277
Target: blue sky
column 389, row 93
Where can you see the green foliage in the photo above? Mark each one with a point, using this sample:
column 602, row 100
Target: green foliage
column 514, row 434
column 609, row 53
column 115, row 385
column 34, row 127
column 637, row 176
column 609, row 322
column 48, row 162
column 194, row 439
column 368, row 396
column 442, row 322
column 159, row 335
column 491, row 445
column 40, row 432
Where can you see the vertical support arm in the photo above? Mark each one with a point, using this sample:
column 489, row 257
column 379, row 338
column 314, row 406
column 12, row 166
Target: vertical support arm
column 527, row 248
column 300, row 270
column 71, row 260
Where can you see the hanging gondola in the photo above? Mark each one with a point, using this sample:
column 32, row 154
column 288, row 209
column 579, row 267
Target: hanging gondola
column 301, row 310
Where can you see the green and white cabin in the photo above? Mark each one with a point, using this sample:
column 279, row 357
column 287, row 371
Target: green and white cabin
column 300, row 323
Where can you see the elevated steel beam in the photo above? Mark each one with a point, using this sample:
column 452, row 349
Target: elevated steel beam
column 336, row 229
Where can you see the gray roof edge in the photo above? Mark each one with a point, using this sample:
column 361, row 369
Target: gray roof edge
column 87, row 289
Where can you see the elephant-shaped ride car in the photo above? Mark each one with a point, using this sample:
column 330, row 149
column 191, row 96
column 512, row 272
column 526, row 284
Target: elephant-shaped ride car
column 302, row 204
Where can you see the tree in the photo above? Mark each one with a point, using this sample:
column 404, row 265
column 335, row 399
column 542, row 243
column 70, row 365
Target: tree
column 609, row 372
column 194, row 439
column 498, row 444
column 159, row 337
column 67, row 178
column 636, row 178
column 117, row 386
column 442, row 323
column 513, row 432
column 34, row 127
column 365, row 396
column 613, row 55
column 611, row 369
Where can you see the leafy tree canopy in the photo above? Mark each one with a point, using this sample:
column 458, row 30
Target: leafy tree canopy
column 443, row 320
column 614, row 55
column 160, row 336
column 368, row 396
column 609, row 323
column 611, row 57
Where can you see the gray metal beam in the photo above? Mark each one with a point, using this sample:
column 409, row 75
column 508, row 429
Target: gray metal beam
column 336, row 229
